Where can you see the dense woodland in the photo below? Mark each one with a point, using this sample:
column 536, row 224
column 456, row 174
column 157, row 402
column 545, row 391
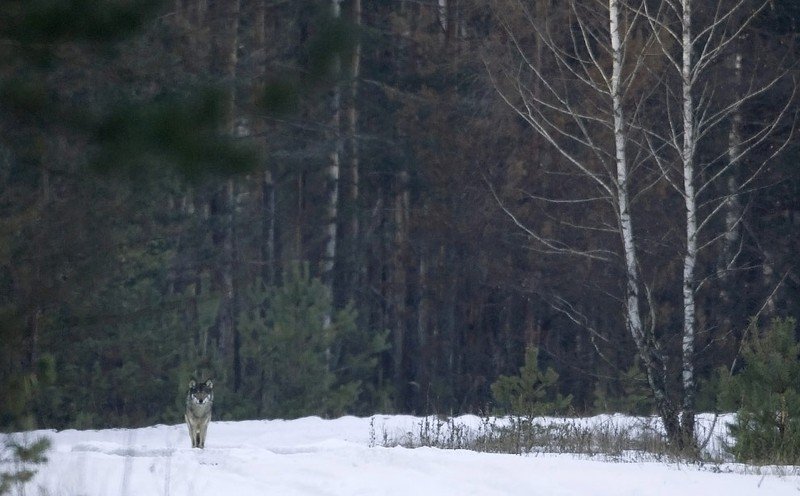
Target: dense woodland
column 382, row 206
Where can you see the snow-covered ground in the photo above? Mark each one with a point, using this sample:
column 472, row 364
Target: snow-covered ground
column 311, row 456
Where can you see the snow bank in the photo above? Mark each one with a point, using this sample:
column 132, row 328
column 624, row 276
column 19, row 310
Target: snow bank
column 311, row 456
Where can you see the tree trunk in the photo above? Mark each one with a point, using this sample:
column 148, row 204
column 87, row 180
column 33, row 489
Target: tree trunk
column 699, row 54
column 226, row 318
column 645, row 341
column 632, row 310
column 733, row 205
column 399, row 283
column 352, row 130
column 443, row 18
column 268, row 248
column 300, row 216
column 690, row 257
column 268, row 193
column 225, row 30
column 423, row 365
column 332, row 175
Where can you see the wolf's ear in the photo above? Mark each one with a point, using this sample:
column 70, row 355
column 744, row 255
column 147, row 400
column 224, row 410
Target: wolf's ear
column 192, row 383
column 209, row 384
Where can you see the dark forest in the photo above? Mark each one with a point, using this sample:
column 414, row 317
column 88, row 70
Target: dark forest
column 354, row 206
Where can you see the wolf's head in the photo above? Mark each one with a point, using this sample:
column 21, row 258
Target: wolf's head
column 201, row 393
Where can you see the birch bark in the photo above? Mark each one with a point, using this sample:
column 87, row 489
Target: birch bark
column 332, row 174
column 626, row 223
column 690, row 257
column 645, row 342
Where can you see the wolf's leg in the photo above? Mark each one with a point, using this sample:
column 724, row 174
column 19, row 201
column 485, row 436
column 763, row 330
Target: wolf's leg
column 202, row 434
column 191, row 431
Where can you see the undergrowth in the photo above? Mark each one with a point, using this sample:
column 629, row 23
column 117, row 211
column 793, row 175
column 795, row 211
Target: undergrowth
column 620, row 441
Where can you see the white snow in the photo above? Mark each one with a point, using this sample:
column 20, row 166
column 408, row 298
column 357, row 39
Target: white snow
column 312, row 456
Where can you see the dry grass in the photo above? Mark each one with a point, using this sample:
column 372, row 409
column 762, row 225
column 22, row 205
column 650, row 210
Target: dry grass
column 607, row 437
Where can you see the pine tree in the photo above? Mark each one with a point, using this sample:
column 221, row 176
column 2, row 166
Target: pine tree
column 767, row 426
column 532, row 392
column 631, row 396
column 25, row 457
column 298, row 364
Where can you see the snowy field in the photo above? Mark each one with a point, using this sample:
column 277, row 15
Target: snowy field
column 311, row 456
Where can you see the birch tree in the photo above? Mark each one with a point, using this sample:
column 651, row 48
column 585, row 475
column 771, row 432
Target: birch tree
column 693, row 46
column 588, row 122
column 333, row 170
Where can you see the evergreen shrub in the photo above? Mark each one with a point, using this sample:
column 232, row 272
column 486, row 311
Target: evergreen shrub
column 767, row 426
column 532, row 392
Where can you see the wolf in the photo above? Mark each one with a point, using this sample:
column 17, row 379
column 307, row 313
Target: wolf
column 198, row 410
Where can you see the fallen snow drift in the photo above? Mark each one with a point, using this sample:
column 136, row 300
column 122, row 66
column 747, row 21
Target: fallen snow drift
column 311, row 456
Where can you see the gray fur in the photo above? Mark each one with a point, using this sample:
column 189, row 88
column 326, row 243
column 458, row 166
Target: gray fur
column 199, row 400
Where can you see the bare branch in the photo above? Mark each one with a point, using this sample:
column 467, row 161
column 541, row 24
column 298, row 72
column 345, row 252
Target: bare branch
column 552, row 246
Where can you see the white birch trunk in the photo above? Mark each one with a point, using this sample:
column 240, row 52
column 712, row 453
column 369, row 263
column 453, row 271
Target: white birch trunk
column 699, row 114
column 442, row 15
column 645, row 342
column 626, row 223
column 332, row 173
column 632, row 297
column 614, row 178
column 690, row 257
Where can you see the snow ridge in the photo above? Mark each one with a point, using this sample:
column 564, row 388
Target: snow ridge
column 312, row 456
